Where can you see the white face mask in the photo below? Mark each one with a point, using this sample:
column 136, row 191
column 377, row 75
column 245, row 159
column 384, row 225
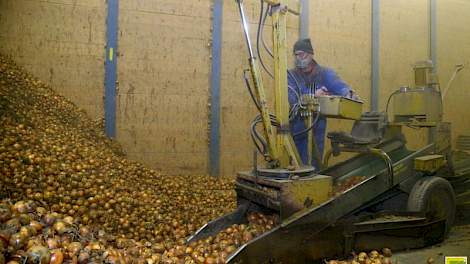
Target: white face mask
column 303, row 63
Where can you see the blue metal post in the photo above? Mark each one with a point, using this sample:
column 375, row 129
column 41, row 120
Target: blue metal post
column 214, row 143
column 433, row 33
column 375, row 78
column 304, row 27
column 111, row 68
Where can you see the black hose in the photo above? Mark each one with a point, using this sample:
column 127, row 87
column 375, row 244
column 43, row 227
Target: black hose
column 255, row 137
column 262, row 33
column 258, row 37
column 309, row 128
column 295, row 79
column 388, row 101
column 248, row 86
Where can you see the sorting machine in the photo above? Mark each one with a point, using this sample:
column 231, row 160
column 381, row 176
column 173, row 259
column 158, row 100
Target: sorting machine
column 402, row 199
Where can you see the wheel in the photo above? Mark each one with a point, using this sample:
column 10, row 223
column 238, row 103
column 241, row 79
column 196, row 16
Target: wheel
column 435, row 197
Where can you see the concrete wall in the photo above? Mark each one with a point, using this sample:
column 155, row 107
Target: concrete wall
column 164, row 65
column 61, row 42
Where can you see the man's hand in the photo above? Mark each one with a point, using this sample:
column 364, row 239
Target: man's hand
column 322, row 91
column 353, row 95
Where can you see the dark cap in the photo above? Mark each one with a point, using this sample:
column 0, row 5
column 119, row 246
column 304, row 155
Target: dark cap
column 303, row 45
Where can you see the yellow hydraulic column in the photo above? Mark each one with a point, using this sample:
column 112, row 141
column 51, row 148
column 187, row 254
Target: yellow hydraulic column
column 259, row 91
column 288, row 154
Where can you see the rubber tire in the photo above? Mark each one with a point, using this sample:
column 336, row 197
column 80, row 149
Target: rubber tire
column 425, row 191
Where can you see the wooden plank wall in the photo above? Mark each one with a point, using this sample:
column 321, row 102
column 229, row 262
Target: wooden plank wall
column 164, row 65
column 61, row 42
column 163, row 72
column 453, row 47
column 404, row 40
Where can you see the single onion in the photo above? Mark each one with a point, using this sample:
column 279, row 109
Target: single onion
column 74, row 248
column 17, row 240
column 53, row 243
column 83, row 257
column 387, row 252
column 20, row 207
column 57, row 257
column 60, row 227
column 5, row 212
column 38, row 255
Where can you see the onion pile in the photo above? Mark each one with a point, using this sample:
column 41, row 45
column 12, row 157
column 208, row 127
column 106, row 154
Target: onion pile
column 68, row 195
column 51, row 153
column 29, row 234
column 216, row 249
column 344, row 185
column 374, row 257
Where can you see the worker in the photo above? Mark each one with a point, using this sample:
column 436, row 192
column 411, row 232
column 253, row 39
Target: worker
column 310, row 77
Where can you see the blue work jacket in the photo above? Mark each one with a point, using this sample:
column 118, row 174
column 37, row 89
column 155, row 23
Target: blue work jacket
column 299, row 84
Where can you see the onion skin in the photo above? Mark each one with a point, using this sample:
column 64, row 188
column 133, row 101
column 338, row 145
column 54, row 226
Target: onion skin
column 53, row 243
column 83, row 257
column 17, row 241
column 5, row 212
column 57, row 257
column 387, row 252
column 36, row 225
column 38, row 255
column 74, row 248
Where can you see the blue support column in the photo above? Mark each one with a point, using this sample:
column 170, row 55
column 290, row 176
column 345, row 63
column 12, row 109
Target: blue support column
column 433, row 33
column 375, row 75
column 111, row 68
column 214, row 141
column 304, row 28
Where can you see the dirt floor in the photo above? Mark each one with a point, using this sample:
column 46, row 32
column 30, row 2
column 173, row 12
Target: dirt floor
column 458, row 244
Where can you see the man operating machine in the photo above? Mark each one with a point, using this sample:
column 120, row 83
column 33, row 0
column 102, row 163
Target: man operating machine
column 308, row 77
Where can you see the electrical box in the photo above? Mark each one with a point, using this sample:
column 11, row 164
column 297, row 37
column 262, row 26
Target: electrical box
column 418, row 107
column 340, row 107
column 429, row 163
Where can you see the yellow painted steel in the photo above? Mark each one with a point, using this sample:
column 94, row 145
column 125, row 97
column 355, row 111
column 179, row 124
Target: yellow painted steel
column 309, row 123
column 340, row 107
column 429, row 163
column 302, row 193
column 268, row 128
column 318, row 189
column 311, row 103
column 291, row 150
column 288, row 154
column 421, row 107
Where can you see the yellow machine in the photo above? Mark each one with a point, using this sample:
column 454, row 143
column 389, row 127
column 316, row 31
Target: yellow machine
column 284, row 165
column 281, row 149
column 316, row 222
column 421, row 105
